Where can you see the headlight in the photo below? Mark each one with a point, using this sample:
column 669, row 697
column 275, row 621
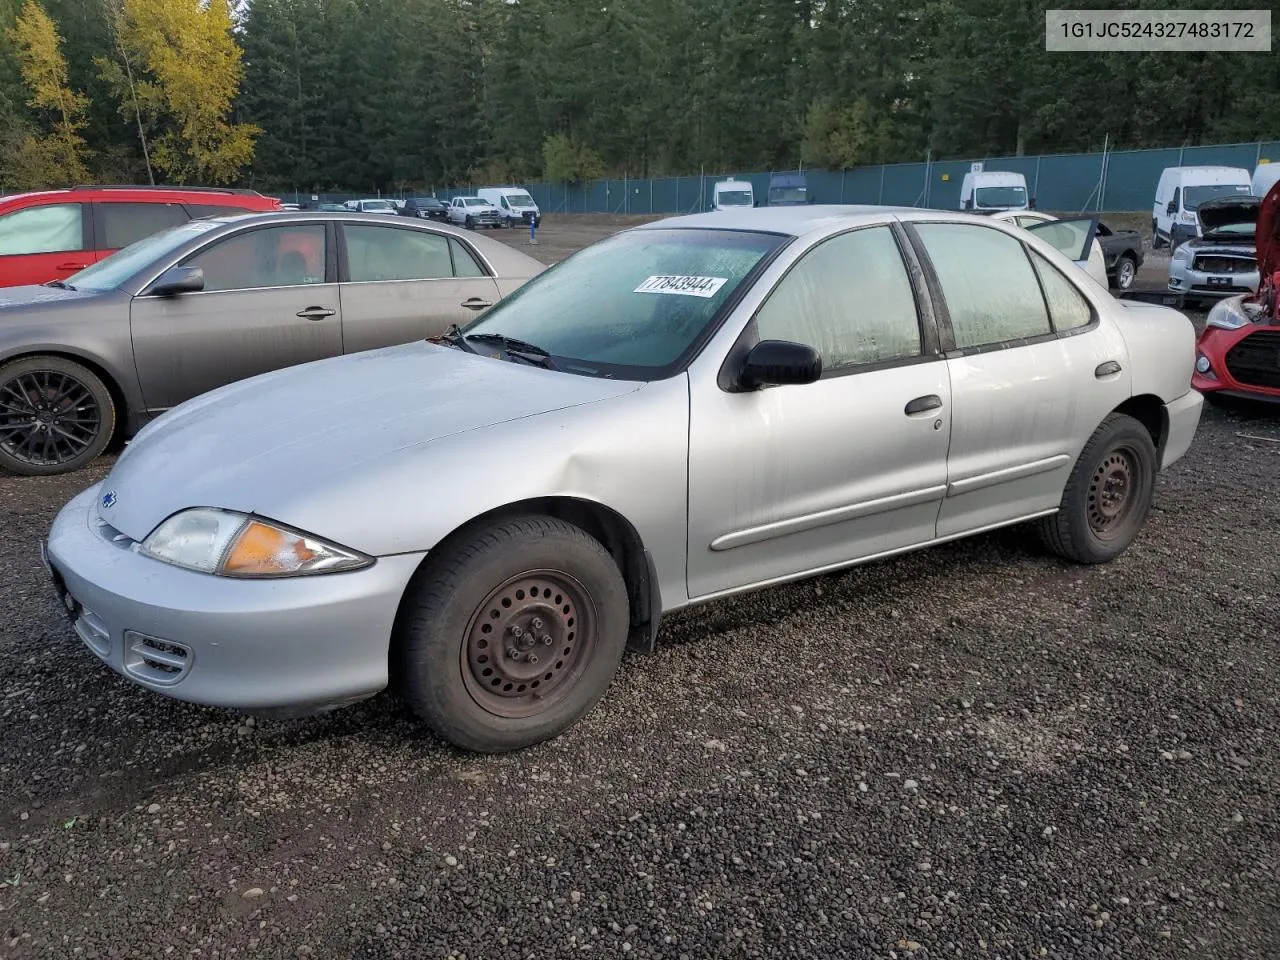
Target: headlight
column 230, row 544
column 1229, row 314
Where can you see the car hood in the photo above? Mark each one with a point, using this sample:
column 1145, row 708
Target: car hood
column 253, row 445
column 1227, row 211
column 37, row 295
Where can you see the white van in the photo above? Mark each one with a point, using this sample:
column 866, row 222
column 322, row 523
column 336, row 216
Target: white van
column 1181, row 190
column 1265, row 177
column 514, row 203
column 732, row 195
column 984, row 190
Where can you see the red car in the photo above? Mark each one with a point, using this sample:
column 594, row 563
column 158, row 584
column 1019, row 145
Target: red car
column 1238, row 354
column 51, row 234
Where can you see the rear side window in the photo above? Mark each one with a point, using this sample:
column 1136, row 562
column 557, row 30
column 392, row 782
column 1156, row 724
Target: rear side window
column 1067, row 305
column 992, row 293
column 464, row 264
column 390, row 253
column 54, row 228
column 123, row 223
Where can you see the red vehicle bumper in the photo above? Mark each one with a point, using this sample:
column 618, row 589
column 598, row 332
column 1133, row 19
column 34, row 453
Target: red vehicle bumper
column 1242, row 363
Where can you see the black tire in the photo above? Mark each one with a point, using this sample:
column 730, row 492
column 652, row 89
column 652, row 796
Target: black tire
column 1156, row 242
column 1125, row 273
column 534, row 586
column 1092, row 525
column 471, row 223
column 55, row 416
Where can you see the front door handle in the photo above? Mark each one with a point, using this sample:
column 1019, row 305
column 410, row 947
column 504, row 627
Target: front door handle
column 475, row 303
column 1108, row 369
column 924, row 405
column 316, row 313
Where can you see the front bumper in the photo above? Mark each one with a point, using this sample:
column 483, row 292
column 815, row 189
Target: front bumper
column 1198, row 284
column 305, row 642
column 1217, row 346
column 1184, row 418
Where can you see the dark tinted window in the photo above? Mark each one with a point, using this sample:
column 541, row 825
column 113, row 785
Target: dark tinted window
column 281, row 256
column 120, row 224
column 216, row 210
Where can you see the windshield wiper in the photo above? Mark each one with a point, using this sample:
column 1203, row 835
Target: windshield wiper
column 519, row 349
column 60, row 284
column 454, row 338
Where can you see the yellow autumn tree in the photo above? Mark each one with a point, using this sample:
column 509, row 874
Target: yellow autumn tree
column 55, row 157
column 183, row 71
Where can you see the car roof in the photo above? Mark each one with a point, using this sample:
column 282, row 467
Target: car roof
column 135, row 194
column 797, row 221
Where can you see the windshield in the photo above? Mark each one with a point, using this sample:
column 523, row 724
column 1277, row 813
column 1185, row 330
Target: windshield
column 1235, row 230
column 1192, row 197
column 377, row 205
column 633, row 305
column 1000, row 197
column 475, row 202
column 520, row 200
column 788, row 195
column 734, row 198
column 110, row 272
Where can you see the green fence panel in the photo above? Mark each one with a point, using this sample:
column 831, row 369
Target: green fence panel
column 1132, row 176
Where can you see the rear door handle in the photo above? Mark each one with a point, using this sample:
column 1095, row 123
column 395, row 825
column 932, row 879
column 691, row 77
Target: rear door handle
column 316, row 313
column 71, row 266
column 475, row 303
column 1108, row 369
column 924, row 405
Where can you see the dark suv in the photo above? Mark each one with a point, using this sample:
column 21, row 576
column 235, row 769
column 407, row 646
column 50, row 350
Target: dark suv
column 51, row 234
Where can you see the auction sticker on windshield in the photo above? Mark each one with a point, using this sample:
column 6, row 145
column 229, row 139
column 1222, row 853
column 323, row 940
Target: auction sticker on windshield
column 705, row 287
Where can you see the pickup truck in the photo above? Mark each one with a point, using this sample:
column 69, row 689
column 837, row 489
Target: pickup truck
column 1122, row 253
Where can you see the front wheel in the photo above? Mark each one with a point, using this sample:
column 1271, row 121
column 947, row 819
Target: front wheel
column 513, row 636
column 1126, row 271
column 1107, row 496
column 1156, row 242
column 55, row 416
column 471, row 223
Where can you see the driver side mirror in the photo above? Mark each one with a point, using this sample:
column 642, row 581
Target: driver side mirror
column 1171, row 208
column 968, row 204
column 776, row 363
column 178, row 280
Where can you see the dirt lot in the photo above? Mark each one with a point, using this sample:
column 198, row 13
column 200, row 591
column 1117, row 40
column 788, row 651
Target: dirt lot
column 976, row 751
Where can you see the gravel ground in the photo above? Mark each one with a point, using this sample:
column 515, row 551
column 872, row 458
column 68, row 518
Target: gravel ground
column 975, row 751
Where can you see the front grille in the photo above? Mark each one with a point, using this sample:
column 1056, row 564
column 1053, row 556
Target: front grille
column 155, row 660
column 1222, row 290
column 1220, row 263
column 1255, row 360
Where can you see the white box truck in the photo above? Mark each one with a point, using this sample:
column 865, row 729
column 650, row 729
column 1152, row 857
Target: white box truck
column 514, row 203
column 732, row 195
column 986, row 191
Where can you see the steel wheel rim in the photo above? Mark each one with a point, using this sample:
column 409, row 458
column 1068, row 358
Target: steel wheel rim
column 1126, row 274
column 1113, row 492
column 547, row 620
column 47, row 418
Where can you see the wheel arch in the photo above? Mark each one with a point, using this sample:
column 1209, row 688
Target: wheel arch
column 618, row 535
column 109, row 380
column 1149, row 410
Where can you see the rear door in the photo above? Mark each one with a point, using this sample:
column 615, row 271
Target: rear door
column 270, row 301
column 47, row 242
column 401, row 283
column 118, row 224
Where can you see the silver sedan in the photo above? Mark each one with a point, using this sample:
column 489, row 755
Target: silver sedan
column 689, row 409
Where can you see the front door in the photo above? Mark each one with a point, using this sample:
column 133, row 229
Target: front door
column 1029, row 375
column 268, row 303
column 788, row 480
column 405, row 283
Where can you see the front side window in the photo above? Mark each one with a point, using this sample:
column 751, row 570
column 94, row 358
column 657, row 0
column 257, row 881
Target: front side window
column 632, row 306
column 991, row 291
column 850, row 299
column 125, row 223
column 54, row 228
column 390, row 253
column 283, row 256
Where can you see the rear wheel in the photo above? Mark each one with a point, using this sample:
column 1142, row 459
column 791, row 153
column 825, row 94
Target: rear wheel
column 513, row 636
column 1107, row 496
column 1156, row 242
column 471, row 223
column 1126, row 271
column 55, row 416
